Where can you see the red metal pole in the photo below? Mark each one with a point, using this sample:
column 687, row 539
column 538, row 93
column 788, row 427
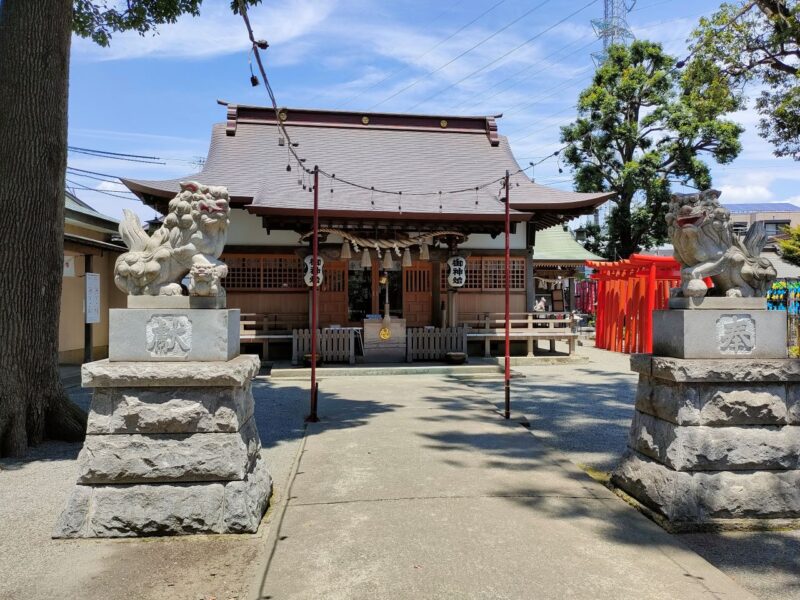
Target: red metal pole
column 312, row 417
column 508, row 301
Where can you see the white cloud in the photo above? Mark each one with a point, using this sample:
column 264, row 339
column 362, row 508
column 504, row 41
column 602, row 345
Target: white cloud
column 745, row 193
column 217, row 31
column 111, row 186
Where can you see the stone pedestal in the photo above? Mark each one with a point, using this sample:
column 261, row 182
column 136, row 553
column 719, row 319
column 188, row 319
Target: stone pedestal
column 709, row 330
column 385, row 344
column 161, row 334
column 715, row 440
column 171, row 448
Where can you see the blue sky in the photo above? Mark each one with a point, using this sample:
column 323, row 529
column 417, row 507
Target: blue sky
column 156, row 95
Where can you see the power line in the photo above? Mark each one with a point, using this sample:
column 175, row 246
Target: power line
column 428, row 51
column 451, row 61
column 78, row 186
column 510, row 77
column 554, row 91
column 92, row 177
column 501, row 57
column 152, row 160
column 78, row 171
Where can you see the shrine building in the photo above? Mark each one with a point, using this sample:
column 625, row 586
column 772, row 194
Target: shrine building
column 428, row 188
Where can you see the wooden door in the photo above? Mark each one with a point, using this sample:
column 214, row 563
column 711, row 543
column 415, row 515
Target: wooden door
column 417, row 294
column 333, row 294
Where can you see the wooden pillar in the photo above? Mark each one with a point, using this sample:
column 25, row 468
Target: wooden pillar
column 452, row 308
column 436, row 304
column 88, row 343
column 530, row 284
column 572, row 282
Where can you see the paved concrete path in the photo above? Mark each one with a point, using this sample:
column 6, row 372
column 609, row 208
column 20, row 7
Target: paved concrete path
column 416, row 488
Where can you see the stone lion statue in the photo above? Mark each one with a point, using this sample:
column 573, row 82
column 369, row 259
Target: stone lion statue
column 705, row 245
column 190, row 241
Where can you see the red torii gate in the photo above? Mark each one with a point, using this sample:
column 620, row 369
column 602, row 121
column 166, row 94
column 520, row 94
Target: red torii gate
column 628, row 291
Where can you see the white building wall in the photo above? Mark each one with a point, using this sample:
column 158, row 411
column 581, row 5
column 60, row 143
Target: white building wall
column 483, row 241
column 246, row 230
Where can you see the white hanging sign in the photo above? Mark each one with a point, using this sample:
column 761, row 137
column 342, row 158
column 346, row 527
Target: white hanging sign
column 308, row 273
column 92, row 300
column 456, row 271
column 69, row 266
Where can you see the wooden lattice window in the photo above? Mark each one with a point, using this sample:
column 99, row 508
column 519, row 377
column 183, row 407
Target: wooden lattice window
column 487, row 273
column 244, row 273
column 265, row 272
column 281, row 272
column 474, row 276
column 333, row 280
column 417, row 280
column 494, row 273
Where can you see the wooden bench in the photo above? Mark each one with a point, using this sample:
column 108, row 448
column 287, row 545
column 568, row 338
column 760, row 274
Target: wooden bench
column 252, row 331
column 284, row 322
column 531, row 327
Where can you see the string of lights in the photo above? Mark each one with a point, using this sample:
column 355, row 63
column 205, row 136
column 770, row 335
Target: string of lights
column 292, row 152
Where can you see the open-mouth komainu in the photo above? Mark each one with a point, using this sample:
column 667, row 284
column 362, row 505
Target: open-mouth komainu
column 190, row 241
column 705, row 245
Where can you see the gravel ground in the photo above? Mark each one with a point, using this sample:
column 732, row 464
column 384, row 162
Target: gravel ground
column 585, row 411
column 33, row 492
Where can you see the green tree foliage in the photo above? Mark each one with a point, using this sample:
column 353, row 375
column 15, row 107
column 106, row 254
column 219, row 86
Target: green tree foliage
column 790, row 248
column 594, row 239
column 642, row 125
column 97, row 21
column 758, row 42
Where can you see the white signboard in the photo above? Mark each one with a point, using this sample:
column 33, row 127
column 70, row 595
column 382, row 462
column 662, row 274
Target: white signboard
column 308, row 263
column 456, row 271
column 92, row 301
column 69, row 266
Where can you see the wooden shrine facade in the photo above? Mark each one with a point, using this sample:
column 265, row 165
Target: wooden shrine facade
column 416, row 175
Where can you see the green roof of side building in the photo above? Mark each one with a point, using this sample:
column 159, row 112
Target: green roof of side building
column 555, row 244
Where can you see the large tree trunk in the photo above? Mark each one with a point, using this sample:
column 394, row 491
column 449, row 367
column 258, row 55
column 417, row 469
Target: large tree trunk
column 34, row 70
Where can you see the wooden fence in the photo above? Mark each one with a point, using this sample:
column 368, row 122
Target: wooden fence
column 335, row 345
column 429, row 343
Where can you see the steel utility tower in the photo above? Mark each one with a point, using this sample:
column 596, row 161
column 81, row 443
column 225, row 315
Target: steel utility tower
column 613, row 27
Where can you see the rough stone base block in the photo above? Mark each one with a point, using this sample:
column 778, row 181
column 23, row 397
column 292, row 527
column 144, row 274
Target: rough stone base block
column 167, row 508
column 155, row 334
column 171, row 448
column 138, row 458
column 703, row 497
column 715, row 442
